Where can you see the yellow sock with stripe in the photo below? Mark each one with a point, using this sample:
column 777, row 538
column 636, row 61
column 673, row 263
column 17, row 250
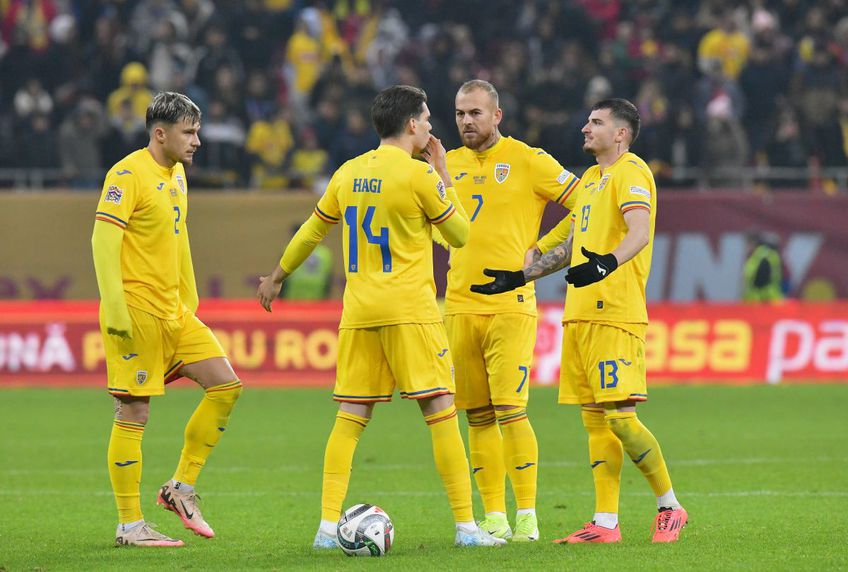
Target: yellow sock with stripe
column 605, row 458
column 124, row 458
column 451, row 462
column 205, row 428
column 487, row 459
column 642, row 448
column 338, row 460
column 521, row 454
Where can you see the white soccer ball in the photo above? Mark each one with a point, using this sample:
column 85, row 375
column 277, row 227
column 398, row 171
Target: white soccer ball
column 365, row 530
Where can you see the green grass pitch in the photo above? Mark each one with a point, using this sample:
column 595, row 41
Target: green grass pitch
column 763, row 472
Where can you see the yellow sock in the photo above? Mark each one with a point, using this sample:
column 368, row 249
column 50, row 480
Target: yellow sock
column 451, row 462
column 521, row 454
column 124, row 458
column 338, row 459
column 605, row 458
column 205, row 428
column 487, row 459
column 643, row 449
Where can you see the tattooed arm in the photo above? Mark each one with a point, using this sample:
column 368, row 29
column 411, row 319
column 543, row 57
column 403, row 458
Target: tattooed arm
column 555, row 259
column 507, row 280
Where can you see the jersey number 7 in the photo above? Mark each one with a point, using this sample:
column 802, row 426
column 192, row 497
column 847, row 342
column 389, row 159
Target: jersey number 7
column 351, row 217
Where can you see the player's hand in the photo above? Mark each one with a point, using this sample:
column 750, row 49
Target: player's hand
column 434, row 153
column 268, row 290
column 504, row 281
column 596, row 269
column 531, row 256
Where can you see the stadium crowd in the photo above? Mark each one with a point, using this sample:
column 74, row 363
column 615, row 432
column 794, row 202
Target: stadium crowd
column 285, row 85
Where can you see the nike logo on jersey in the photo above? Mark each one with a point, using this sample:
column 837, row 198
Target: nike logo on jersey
column 640, row 457
column 601, row 270
column 524, row 466
column 596, row 463
column 128, row 357
column 443, row 352
column 124, row 172
column 125, row 463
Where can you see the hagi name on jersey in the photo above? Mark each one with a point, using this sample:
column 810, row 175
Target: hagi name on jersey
column 367, row 185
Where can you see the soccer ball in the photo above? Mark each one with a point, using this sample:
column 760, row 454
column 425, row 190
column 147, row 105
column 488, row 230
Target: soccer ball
column 365, row 530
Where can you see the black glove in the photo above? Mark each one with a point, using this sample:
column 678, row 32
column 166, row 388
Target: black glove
column 504, row 281
column 599, row 267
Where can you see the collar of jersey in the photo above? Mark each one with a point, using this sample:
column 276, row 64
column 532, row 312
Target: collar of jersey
column 617, row 161
column 491, row 150
column 393, row 149
column 160, row 170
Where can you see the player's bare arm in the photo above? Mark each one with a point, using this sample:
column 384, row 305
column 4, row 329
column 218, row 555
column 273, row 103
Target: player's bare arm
column 600, row 266
column 507, row 280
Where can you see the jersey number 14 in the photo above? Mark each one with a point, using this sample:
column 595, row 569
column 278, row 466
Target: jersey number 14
column 351, row 217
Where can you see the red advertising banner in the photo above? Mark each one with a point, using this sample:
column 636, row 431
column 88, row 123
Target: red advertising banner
column 59, row 343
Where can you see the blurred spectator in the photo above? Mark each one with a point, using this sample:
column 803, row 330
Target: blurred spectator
column 216, row 54
column 133, row 88
column 126, row 133
column 725, row 44
column 106, row 56
column 37, row 146
column 308, row 162
column 27, row 22
column 817, row 87
column 327, row 122
column 31, row 100
column 268, row 144
column 303, row 61
column 228, row 88
column 763, row 272
column 79, row 145
column 764, row 82
column 785, row 147
column 355, row 138
column 258, row 102
column 146, row 18
column 223, row 143
column 654, row 112
column 169, row 52
column 198, row 14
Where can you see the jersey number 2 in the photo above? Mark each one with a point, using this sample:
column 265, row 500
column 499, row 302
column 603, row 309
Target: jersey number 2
column 351, row 217
column 176, row 220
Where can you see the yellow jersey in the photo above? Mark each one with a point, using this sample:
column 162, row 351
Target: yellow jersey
column 150, row 203
column 504, row 190
column 387, row 201
column 599, row 226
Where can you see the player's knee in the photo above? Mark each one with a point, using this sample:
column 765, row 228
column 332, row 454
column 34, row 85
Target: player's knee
column 228, row 392
column 481, row 416
column 593, row 418
column 621, row 423
column 133, row 410
column 507, row 414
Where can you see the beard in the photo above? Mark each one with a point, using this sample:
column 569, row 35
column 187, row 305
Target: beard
column 474, row 139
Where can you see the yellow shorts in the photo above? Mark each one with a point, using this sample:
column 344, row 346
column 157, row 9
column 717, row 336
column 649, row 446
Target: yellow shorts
column 601, row 363
column 156, row 353
column 415, row 357
column 493, row 354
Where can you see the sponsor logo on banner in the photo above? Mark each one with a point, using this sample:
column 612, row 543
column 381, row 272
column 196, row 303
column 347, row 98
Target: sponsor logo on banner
column 114, row 194
column 634, row 190
column 501, row 172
